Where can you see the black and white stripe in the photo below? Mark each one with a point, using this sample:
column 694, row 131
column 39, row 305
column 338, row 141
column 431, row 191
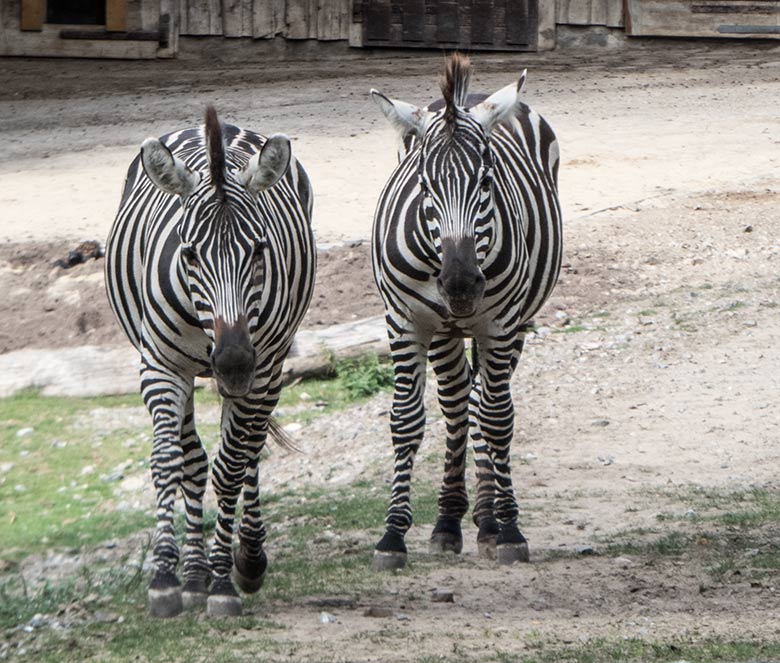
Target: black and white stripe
column 209, row 269
column 467, row 243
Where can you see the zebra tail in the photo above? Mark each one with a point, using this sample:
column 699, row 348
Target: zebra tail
column 280, row 436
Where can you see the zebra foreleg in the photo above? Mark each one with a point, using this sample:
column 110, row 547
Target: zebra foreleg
column 448, row 358
column 227, row 477
column 196, row 467
column 165, row 400
column 407, row 424
column 484, row 505
column 496, row 423
column 249, row 559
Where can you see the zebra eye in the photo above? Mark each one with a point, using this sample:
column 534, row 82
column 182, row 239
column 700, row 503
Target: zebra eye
column 189, row 254
column 486, row 183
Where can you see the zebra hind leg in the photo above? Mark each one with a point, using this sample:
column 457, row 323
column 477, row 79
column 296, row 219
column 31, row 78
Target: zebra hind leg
column 197, row 574
column 484, row 512
column 167, row 463
column 448, row 358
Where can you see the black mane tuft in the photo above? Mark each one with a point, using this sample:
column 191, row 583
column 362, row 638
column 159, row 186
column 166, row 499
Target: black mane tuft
column 216, row 150
column 454, row 84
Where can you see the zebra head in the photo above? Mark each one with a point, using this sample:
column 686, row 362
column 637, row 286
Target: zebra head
column 223, row 255
column 455, row 177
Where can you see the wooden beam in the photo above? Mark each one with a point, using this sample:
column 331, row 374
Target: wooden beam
column 116, row 15
column 32, row 15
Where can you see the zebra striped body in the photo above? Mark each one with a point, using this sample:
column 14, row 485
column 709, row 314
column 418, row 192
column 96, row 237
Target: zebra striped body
column 209, row 272
column 467, row 243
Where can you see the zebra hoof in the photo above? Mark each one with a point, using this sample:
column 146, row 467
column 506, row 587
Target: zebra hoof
column 487, row 547
column 445, row 542
column 247, row 584
column 248, row 574
column 222, row 605
column 194, row 594
column 509, row 553
column 166, row 602
column 388, row 560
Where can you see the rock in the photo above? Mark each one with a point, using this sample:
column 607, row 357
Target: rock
column 106, row 617
column 327, row 618
column 87, row 469
column 401, row 617
column 377, row 611
column 22, row 432
column 584, row 550
column 441, row 595
column 6, row 467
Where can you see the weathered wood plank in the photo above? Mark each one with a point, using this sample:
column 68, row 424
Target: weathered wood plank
column 48, row 44
column 237, row 18
column 297, row 19
column 116, row 15
column 333, row 20
column 590, row 12
column 203, row 17
column 32, row 15
column 267, row 18
column 704, row 18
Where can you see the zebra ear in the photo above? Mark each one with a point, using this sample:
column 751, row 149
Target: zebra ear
column 406, row 118
column 166, row 171
column 268, row 166
column 499, row 106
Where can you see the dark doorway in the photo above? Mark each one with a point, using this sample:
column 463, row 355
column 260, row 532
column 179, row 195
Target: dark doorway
column 76, row 12
column 507, row 25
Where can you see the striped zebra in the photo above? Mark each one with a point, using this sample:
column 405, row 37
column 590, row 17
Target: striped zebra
column 466, row 244
column 209, row 270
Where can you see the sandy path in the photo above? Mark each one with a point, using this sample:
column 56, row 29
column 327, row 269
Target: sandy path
column 627, row 133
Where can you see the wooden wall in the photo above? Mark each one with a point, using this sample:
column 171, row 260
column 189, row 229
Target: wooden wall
column 704, row 18
column 265, row 19
column 590, row 12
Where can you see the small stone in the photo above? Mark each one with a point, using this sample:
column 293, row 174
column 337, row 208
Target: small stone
column 327, row 618
column 750, row 323
column 747, row 229
column 584, row 550
column 37, row 621
column 606, row 460
column 6, row 467
column 401, row 617
column 293, row 427
column 22, row 432
column 304, row 396
column 441, row 595
column 105, row 617
column 377, row 611
column 87, row 469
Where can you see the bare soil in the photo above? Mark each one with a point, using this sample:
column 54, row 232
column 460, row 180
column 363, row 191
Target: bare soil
column 652, row 375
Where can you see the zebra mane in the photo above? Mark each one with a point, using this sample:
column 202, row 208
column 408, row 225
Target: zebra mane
column 454, row 84
column 216, row 150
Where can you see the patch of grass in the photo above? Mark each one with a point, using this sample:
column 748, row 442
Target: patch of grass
column 364, row 377
column 353, row 381
column 51, row 492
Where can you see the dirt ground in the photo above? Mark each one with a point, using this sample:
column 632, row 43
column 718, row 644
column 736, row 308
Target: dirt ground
column 652, row 375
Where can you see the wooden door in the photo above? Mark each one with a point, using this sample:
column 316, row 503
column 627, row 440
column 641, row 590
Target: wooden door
column 463, row 24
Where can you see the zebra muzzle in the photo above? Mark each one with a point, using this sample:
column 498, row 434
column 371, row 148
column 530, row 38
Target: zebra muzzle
column 461, row 283
column 233, row 359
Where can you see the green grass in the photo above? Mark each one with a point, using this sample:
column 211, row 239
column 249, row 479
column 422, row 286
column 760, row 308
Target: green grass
column 731, row 531
column 56, row 493
column 45, row 500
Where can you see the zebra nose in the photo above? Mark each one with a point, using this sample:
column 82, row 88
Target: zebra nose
column 233, row 359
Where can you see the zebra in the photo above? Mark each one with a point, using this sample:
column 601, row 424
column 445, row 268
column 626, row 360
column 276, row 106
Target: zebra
column 466, row 243
column 209, row 270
